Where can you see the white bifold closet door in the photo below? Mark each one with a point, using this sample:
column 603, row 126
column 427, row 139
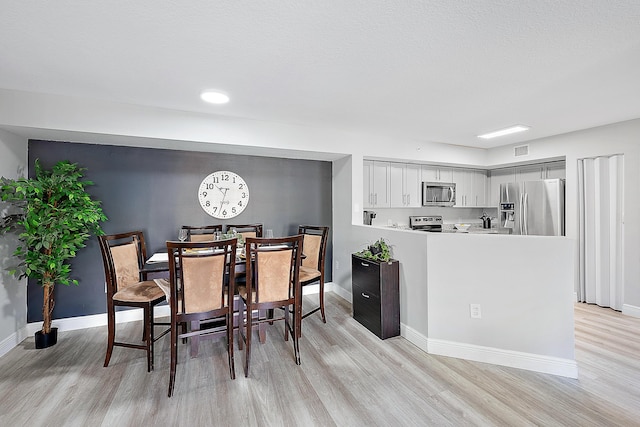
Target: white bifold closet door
column 601, row 209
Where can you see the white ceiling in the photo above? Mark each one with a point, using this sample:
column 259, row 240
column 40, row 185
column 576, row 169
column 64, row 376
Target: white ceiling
column 441, row 71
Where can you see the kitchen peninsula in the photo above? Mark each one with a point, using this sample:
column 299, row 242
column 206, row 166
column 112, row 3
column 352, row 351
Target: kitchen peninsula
column 500, row 299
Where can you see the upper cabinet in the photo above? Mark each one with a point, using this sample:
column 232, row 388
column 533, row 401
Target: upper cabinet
column 436, row 174
column 376, row 181
column 541, row 171
column 549, row 170
column 555, row 170
column 471, row 187
column 405, row 185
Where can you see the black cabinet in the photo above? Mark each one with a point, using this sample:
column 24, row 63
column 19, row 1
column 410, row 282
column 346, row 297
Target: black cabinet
column 376, row 295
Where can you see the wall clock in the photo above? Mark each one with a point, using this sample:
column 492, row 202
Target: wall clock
column 223, row 194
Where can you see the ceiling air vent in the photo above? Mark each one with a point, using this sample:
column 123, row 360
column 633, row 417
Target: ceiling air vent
column 521, row 150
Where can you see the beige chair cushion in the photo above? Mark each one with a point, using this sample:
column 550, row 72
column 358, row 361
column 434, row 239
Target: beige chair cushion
column 203, row 282
column 125, row 262
column 274, row 277
column 311, row 250
column 307, row 274
column 202, row 237
column 139, row 292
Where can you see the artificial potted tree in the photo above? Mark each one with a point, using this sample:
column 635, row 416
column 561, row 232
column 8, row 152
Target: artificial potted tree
column 55, row 219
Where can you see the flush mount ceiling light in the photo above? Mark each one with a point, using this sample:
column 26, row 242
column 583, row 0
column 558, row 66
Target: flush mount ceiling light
column 506, row 131
column 214, row 97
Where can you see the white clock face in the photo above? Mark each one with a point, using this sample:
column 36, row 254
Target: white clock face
column 223, row 194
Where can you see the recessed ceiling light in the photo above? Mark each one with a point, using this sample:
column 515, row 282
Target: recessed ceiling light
column 506, row 131
column 214, row 97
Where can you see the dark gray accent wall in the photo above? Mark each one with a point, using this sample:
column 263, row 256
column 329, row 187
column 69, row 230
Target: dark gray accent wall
column 155, row 191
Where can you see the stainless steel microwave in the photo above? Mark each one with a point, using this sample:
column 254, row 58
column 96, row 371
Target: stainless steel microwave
column 438, row 193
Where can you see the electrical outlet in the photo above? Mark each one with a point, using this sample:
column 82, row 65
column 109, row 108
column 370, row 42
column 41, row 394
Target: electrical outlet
column 474, row 311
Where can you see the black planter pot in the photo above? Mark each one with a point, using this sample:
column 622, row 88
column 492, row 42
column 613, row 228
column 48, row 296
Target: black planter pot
column 46, row 340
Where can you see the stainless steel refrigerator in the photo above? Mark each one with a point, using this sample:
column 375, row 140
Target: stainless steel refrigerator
column 533, row 207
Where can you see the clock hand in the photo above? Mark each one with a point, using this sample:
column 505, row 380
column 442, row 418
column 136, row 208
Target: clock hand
column 224, row 196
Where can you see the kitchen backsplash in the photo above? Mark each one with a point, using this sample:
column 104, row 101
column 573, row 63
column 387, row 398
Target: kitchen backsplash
column 400, row 217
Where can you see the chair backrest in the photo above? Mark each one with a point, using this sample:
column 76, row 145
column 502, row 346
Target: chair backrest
column 200, row 275
column 273, row 267
column 314, row 246
column 123, row 256
column 247, row 230
column 203, row 233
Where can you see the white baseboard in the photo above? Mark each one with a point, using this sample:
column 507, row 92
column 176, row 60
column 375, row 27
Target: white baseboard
column 514, row 359
column 531, row 362
column 13, row 340
column 631, row 310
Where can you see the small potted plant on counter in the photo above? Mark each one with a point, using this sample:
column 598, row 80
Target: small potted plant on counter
column 55, row 219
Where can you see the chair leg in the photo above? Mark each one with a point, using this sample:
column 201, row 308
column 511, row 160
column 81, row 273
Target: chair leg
column 232, row 366
column 174, row 356
column 262, row 327
column 240, row 323
column 295, row 335
column 195, row 340
column 149, row 341
column 111, row 322
column 247, row 351
column 286, row 322
column 324, row 319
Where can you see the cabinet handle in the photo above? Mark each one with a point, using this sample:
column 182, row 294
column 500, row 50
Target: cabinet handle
column 364, row 264
column 408, row 199
column 364, row 295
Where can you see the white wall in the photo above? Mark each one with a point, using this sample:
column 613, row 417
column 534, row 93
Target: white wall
column 13, row 293
column 619, row 138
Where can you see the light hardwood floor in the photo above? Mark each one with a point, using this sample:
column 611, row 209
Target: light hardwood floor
column 348, row 377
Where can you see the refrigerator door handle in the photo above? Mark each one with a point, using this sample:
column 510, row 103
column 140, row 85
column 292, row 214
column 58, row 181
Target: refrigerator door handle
column 520, row 213
column 525, row 216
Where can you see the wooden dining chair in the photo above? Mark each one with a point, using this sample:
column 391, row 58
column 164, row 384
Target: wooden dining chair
column 247, row 230
column 312, row 271
column 201, row 280
column 203, row 233
column 123, row 256
column 272, row 267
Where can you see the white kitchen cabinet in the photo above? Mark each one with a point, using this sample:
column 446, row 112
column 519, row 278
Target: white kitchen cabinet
column 529, row 173
column 376, row 184
column 471, row 187
column 480, row 187
column 498, row 177
column 540, row 171
column 404, row 185
column 436, row 174
column 555, row 170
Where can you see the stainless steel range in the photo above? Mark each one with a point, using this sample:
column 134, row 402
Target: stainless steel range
column 431, row 223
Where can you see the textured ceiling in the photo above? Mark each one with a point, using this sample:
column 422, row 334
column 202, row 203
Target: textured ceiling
column 440, row 71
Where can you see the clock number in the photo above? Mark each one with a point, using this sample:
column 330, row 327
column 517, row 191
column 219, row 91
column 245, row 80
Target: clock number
column 207, row 203
column 244, row 195
column 225, row 177
column 224, row 212
column 233, row 210
column 210, row 186
column 215, row 180
column 204, row 194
